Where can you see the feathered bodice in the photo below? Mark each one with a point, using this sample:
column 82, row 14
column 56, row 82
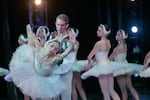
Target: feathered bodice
column 43, row 70
column 102, row 57
column 120, row 57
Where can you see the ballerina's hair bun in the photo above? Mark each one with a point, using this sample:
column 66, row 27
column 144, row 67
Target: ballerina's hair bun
column 45, row 31
column 23, row 38
column 124, row 34
column 50, row 41
column 74, row 31
column 105, row 29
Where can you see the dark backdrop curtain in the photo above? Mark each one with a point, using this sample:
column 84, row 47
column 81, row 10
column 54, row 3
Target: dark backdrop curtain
column 7, row 89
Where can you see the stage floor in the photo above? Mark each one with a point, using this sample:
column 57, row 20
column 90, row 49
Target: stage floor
column 144, row 95
column 92, row 89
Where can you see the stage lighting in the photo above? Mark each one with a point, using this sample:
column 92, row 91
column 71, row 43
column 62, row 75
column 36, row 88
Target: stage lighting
column 134, row 29
column 37, row 2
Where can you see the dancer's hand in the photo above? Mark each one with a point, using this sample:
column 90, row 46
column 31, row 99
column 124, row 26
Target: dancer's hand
column 88, row 67
column 144, row 67
column 72, row 38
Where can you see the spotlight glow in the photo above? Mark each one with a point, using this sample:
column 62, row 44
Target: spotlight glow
column 134, row 29
column 37, row 2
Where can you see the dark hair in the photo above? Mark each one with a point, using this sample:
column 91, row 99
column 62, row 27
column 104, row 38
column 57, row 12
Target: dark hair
column 124, row 34
column 105, row 28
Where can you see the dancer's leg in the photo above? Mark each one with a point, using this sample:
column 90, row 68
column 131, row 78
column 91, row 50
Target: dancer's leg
column 80, row 87
column 122, row 85
column 74, row 91
column 103, row 82
column 26, row 97
column 112, row 92
column 131, row 88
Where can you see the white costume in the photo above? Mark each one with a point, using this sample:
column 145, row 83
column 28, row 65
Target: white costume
column 3, row 72
column 130, row 69
column 79, row 65
column 104, row 66
column 33, row 79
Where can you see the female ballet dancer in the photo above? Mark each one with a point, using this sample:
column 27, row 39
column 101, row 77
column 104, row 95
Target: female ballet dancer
column 77, row 87
column 43, row 34
column 34, row 69
column 146, row 60
column 22, row 39
column 102, row 69
column 119, row 55
column 76, row 81
column 146, row 69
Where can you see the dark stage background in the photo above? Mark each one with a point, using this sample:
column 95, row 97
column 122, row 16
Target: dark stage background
column 85, row 15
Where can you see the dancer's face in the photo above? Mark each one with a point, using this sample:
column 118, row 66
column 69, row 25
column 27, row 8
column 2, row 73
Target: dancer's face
column 41, row 33
column 53, row 47
column 100, row 32
column 119, row 36
column 61, row 26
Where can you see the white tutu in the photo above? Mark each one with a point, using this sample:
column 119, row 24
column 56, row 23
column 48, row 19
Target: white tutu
column 128, row 69
column 102, row 69
column 8, row 77
column 42, row 87
column 145, row 73
column 79, row 65
column 125, row 67
column 23, row 57
column 24, row 75
column 3, row 71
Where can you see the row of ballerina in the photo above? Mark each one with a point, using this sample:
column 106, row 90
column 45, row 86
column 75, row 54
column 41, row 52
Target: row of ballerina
column 26, row 72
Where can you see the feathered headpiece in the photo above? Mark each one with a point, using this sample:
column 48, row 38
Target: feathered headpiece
column 23, row 38
column 74, row 31
column 45, row 31
column 104, row 29
column 123, row 34
column 50, row 41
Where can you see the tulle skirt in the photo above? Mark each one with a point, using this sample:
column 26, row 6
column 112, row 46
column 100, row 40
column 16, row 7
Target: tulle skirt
column 79, row 65
column 3, row 71
column 128, row 69
column 28, row 80
column 111, row 68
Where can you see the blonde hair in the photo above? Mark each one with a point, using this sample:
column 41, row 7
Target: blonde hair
column 63, row 17
column 50, row 41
